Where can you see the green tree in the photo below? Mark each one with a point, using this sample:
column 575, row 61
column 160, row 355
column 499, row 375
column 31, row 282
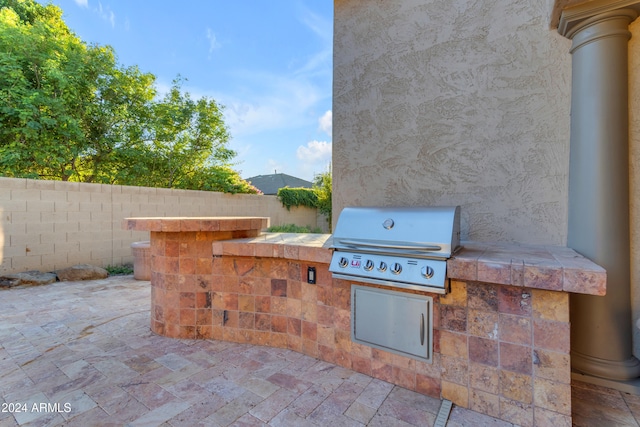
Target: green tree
column 115, row 123
column 68, row 111
column 183, row 138
column 322, row 185
column 37, row 54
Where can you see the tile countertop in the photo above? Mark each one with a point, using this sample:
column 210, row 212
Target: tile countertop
column 188, row 224
column 554, row 268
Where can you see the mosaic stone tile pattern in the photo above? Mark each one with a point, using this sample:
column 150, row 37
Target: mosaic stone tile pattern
column 499, row 350
column 88, row 344
column 255, row 291
column 553, row 268
column 85, row 349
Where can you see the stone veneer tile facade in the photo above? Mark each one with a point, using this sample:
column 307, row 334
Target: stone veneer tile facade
column 494, row 353
column 515, row 365
column 498, row 348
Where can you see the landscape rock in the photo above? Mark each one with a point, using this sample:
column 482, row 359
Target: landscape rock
column 27, row 278
column 9, row 281
column 81, row 272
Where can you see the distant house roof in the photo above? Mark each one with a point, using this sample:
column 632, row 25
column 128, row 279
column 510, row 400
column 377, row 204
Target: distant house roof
column 269, row 184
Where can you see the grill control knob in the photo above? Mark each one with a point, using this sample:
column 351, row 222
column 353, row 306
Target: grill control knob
column 368, row 266
column 397, row 268
column 427, row 272
column 343, row 262
column 382, row 267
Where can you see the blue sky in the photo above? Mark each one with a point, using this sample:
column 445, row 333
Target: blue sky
column 269, row 62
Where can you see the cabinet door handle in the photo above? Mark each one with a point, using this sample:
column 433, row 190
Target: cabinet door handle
column 421, row 328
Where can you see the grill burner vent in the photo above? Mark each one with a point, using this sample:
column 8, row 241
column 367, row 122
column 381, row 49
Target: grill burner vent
column 405, row 247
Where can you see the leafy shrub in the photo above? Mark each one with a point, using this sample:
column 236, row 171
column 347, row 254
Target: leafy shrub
column 119, row 270
column 322, row 185
column 292, row 228
column 318, row 197
column 298, row 197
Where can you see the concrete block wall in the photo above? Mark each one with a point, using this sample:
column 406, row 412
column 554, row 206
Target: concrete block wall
column 48, row 225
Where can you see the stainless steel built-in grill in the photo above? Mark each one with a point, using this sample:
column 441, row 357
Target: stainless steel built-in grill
column 404, row 247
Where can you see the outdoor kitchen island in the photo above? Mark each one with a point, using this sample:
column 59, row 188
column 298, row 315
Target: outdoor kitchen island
column 501, row 337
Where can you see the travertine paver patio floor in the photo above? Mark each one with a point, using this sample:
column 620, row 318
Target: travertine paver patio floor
column 82, row 352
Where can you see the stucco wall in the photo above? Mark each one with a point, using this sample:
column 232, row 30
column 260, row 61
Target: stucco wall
column 465, row 102
column 47, row 225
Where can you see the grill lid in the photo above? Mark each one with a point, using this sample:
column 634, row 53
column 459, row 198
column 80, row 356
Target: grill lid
column 431, row 232
column 402, row 247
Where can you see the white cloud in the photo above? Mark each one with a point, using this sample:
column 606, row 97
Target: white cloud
column 280, row 109
column 106, row 14
column 314, row 158
column 321, row 27
column 314, row 152
column 326, row 122
column 82, row 3
column 321, row 61
column 285, row 105
column 213, row 41
column 246, row 119
column 287, row 100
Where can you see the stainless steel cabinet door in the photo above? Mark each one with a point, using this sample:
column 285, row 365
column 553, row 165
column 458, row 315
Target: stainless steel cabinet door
column 394, row 321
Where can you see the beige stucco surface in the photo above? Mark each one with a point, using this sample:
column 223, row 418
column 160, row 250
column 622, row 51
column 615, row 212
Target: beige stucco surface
column 465, row 102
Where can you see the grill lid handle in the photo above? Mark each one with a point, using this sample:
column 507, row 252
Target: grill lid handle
column 355, row 244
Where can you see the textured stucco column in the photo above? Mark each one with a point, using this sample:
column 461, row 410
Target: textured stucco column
column 601, row 338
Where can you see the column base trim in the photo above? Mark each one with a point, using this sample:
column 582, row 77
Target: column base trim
column 614, row 370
